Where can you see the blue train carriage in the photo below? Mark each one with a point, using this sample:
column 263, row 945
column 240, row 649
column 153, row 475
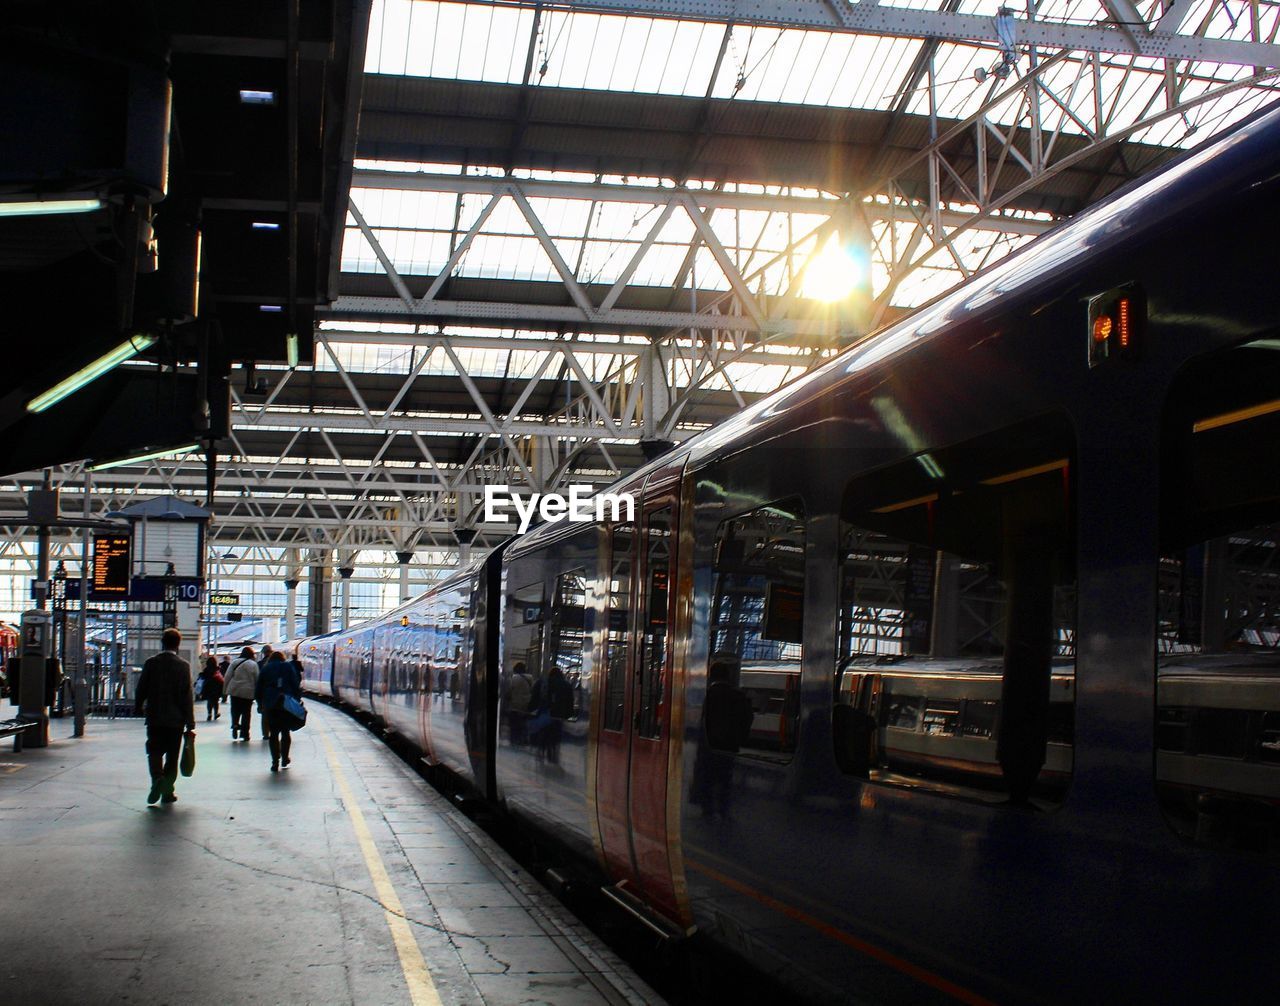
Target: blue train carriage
column 421, row 672
column 939, row 714
column 315, row 654
column 431, row 682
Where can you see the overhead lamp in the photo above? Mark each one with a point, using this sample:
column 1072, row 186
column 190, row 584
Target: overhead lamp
column 270, row 308
column 930, row 466
column 48, row 207
column 291, row 350
column 128, row 349
column 265, row 225
column 251, row 97
column 149, row 456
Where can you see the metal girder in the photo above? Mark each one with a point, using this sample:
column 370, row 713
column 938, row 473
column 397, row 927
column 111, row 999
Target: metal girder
column 244, row 419
column 873, row 19
column 348, row 308
column 525, row 344
column 417, row 181
column 1011, row 158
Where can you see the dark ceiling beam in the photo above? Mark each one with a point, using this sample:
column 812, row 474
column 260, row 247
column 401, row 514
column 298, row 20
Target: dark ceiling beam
column 249, row 48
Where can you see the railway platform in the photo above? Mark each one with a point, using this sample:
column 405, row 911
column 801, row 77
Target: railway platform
column 344, row 879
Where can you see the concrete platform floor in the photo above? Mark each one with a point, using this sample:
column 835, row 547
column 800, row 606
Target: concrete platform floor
column 345, row 879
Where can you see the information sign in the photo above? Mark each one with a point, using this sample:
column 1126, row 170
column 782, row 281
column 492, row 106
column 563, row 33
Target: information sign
column 109, row 580
column 231, row 600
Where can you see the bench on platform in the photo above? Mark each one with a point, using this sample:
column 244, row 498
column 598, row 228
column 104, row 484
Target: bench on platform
column 16, row 728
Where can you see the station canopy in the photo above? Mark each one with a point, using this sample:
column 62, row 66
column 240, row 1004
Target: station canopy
column 580, row 232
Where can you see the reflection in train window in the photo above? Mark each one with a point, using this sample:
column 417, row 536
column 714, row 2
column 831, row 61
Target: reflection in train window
column 956, row 647
column 564, row 690
column 1218, row 635
column 980, row 718
column 757, row 620
column 616, row 632
column 902, row 712
column 942, row 719
column 654, row 606
column 524, row 629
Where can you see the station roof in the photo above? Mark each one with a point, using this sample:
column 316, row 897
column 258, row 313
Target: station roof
column 577, row 231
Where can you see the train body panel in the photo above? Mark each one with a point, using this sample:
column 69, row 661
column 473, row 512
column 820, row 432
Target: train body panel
column 937, row 704
column 315, row 653
column 548, row 620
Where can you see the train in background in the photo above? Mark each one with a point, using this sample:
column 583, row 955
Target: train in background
column 949, row 671
column 9, row 639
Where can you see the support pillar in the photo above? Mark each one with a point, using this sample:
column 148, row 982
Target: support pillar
column 465, row 536
column 945, row 629
column 404, row 558
column 79, row 651
column 290, row 596
column 345, row 571
column 655, row 403
column 1213, row 606
column 319, row 593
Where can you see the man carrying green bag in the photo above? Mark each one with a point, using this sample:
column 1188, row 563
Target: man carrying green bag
column 164, row 692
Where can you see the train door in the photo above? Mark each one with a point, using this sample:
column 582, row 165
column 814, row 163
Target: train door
column 634, row 741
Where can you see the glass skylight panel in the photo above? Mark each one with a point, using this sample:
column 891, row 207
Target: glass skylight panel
column 357, row 253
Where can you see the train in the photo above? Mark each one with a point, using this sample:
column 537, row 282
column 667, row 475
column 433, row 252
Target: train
column 948, row 671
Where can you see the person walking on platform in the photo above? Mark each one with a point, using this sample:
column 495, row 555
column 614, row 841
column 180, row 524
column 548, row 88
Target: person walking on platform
column 211, row 690
column 296, row 663
column 242, row 685
column 164, row 691
column 278, row 679
column 267, row 650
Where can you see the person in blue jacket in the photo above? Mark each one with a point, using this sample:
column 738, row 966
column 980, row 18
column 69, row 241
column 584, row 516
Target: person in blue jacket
column 277, row 679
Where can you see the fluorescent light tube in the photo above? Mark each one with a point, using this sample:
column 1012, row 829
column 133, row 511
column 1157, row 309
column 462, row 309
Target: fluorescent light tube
column 291, row 350
column 138, row 458
column 265, row 225
column 109, row 361
column 48, row 207
column 270, row 308
column 248, row 97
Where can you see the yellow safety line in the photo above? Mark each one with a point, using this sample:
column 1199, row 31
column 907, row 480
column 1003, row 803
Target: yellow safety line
column 422, row 990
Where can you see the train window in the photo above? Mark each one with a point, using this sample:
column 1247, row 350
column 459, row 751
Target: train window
column 757, row 618
column 567, row 634
column 616, row 632
column 956, row 631
column 524, row 629
column 1218, row 630
column 653, row 623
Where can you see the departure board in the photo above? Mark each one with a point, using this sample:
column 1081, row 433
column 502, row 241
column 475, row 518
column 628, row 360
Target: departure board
column 110, row 568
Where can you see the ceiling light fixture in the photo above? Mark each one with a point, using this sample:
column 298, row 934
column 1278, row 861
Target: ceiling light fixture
column 251, row 97
column 149, row 456
column 128, row 349
column 48, row 207
column 291, row 350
